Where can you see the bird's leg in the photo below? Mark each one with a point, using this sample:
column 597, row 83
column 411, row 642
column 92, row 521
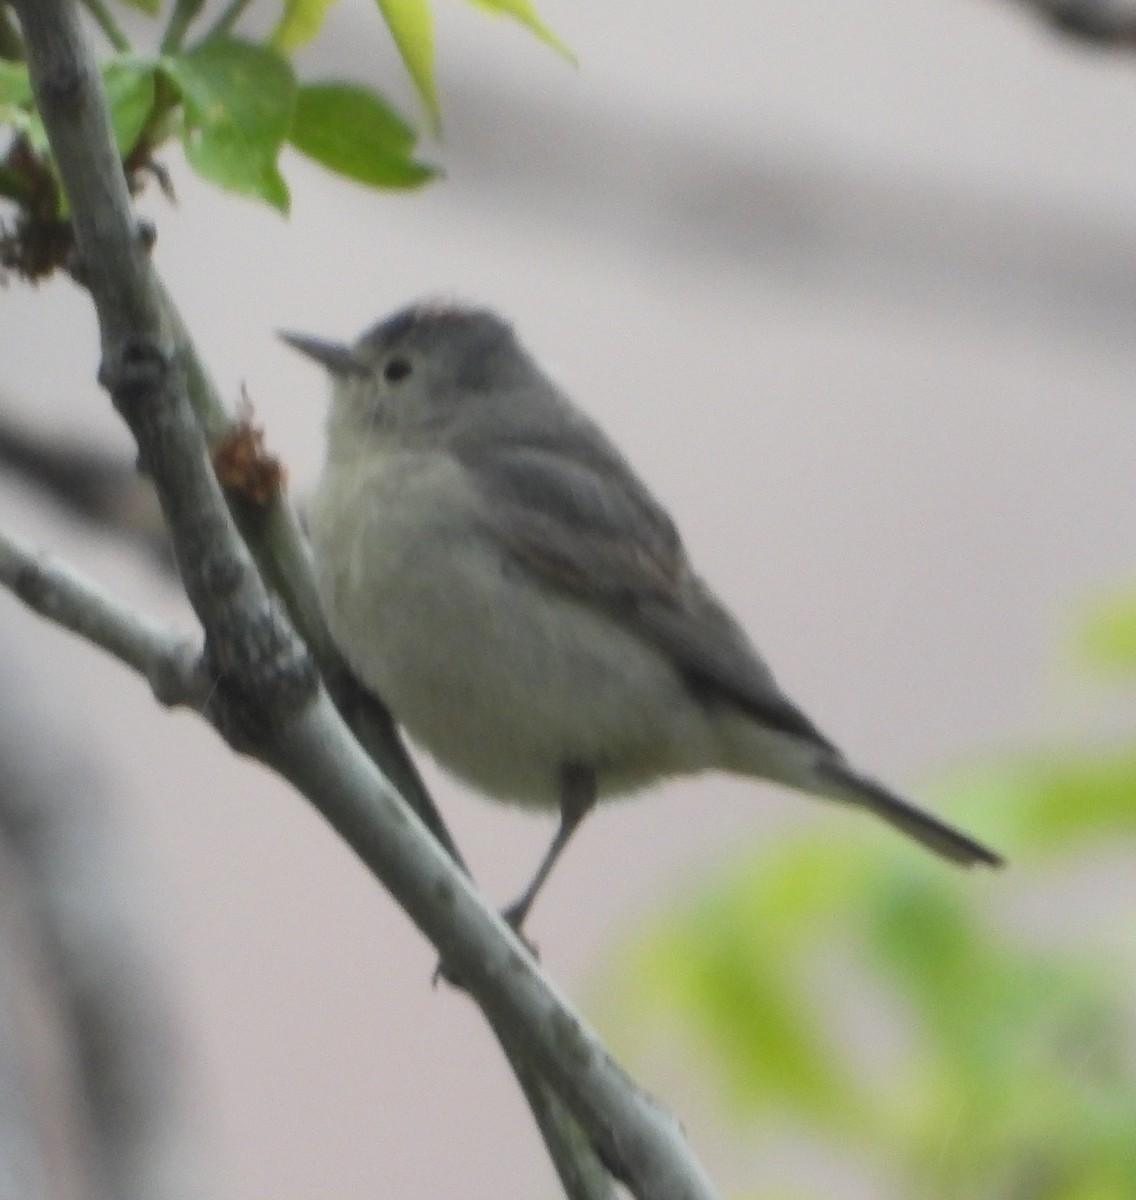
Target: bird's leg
column 577, row 799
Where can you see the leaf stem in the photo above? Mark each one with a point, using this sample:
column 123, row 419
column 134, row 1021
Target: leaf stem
column 225, row 22
column 185, row 12
column 112, row 31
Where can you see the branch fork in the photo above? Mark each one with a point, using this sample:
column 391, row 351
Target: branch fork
column 257, row 680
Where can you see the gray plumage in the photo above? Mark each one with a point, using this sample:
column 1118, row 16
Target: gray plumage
column 493, row 567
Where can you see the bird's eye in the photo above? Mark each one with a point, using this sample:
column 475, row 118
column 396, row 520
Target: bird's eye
column 396, row 369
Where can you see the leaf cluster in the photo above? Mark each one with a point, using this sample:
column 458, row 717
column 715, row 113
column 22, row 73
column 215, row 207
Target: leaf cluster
column 232, row 103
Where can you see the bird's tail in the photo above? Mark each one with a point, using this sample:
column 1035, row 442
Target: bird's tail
column 838, row 781
column 804, row 759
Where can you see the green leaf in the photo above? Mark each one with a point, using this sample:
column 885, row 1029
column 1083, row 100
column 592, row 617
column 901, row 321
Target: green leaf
column 15, row 86
column 412, row 27
column 526, row 14
column 238, row 100
column 1109, row 637
column 928, row 937
column 731, row 966
column 150, row 7
column 129, row 87
column 300, row 21
column 749, row 1012
column 355, row 133
column 1053, row 801
column 1020, row 1073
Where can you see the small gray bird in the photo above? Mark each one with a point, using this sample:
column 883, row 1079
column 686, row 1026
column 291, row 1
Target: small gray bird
column 492, row 567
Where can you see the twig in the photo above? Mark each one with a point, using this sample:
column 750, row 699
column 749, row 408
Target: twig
column 315, row 751
column 172, row 666
column 104, row 18
column 183, row 15
column 227, row 19
column 268, row 700
column 171, row 663
column 273, row 534
column 582, row 1174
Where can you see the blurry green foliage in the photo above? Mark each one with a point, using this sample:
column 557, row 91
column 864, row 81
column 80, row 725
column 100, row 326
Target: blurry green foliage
column 299, row 23
column 1017, row 1080
column 1109, row 638
column 234, row 103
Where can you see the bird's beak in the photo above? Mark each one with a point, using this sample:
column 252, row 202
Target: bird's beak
column 337, row 358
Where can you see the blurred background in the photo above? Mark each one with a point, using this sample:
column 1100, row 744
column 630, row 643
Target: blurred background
column 853, row 285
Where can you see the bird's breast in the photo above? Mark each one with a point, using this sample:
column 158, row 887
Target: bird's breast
column 501, row 676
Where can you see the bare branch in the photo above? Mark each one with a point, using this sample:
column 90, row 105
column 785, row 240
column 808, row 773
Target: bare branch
column 171, row 663
column 315, row 750
column 268, row 699
column 582, row 1173
column 272, row 530
column 273, row 534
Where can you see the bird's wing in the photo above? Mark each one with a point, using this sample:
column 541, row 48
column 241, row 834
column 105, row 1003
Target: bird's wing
column 582, row 522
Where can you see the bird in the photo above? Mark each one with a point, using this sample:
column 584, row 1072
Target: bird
column 493, row 568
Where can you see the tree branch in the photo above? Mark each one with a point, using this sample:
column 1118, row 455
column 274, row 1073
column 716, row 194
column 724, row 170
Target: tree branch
column 281, row 551
column 314, row 750
column 268, row 700
column 273, row 534
column 170, row 663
